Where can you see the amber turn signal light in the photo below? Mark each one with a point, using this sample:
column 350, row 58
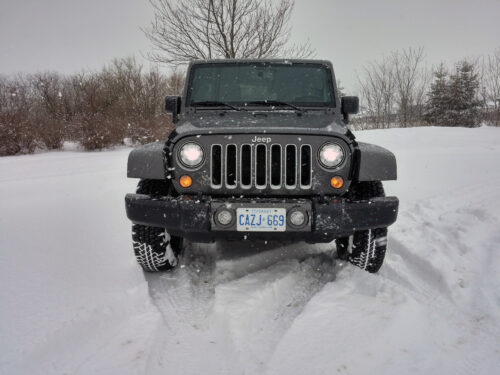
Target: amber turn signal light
column 185, row 181
column 337, row 182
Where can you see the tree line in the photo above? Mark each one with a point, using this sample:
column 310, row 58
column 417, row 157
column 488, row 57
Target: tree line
column 120, row 104
column 400, row 90
column 123, row 103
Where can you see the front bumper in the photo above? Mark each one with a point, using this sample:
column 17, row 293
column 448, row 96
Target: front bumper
column 192, row 218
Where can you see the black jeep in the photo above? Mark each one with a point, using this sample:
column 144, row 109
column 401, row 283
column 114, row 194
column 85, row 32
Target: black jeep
column 261, row 151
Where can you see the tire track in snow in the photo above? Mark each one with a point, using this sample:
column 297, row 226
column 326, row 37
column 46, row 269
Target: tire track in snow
column 234, row 311
column 185, row 295
column 256, row 310
column 450, row 286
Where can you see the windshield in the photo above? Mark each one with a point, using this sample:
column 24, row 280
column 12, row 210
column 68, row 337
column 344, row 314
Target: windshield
column 250, row 84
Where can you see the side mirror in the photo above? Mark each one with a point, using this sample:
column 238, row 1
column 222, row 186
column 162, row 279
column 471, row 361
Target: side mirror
column 173, row 106
column 349, row 106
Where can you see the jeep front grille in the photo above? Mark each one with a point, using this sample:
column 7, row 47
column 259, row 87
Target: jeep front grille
column 261, row 166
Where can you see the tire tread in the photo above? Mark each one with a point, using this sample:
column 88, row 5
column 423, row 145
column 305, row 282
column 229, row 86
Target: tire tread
column 154, row 248
column 368, row 246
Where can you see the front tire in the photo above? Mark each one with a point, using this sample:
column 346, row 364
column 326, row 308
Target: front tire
column 154, row 248
column 364, row 249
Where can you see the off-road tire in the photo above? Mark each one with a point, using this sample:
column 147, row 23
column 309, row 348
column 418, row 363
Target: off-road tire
column 155, row 249
column 364, row 249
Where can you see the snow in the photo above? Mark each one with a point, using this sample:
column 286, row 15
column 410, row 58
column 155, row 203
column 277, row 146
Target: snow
column 72, row 299
column 72, row 146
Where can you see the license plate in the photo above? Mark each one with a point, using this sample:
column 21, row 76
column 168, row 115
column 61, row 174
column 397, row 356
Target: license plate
column 261, row 219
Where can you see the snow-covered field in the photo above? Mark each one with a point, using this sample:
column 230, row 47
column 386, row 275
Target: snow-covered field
column 73, row 301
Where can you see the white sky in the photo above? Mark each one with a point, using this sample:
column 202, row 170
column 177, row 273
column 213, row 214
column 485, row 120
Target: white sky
column 71, row 35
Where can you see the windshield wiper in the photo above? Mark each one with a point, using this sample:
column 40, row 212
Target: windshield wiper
column 215, row 103
column 276, row 103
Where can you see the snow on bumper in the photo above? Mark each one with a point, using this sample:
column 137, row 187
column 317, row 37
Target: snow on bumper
column 191, row 217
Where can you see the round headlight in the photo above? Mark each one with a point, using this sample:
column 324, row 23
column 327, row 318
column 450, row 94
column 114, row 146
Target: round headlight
column 331, row 155
column 191, row 155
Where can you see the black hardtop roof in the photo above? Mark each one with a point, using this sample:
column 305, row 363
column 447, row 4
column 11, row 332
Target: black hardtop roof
column 271, row 61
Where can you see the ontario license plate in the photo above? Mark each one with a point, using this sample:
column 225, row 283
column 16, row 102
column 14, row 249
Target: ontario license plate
column 261, row 219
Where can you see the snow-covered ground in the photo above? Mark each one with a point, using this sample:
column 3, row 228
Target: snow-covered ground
column 73, row 301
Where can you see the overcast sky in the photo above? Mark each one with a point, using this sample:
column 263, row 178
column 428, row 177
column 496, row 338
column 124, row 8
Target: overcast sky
column 71, row 35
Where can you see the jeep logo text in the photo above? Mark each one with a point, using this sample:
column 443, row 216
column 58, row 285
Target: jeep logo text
column 261, row 139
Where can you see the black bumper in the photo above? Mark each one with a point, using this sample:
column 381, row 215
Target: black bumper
column 192, row 218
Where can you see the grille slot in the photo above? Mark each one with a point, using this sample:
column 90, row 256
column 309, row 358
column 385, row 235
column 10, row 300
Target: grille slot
column 216, row 167
column 291, row 166
column 305, row 166
column 231, row 166
column 246, row 166
column 275, row 166
column 261, row 166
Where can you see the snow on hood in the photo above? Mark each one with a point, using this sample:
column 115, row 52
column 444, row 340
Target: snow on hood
column 218, row 122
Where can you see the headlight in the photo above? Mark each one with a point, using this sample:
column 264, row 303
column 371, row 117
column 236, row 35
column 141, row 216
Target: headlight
column 191, row 155
column 331, row 155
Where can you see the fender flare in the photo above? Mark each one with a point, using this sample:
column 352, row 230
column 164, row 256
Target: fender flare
column 147, row 162
column 374, row 163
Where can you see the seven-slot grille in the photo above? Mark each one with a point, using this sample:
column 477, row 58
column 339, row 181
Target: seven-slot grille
column 261, row 166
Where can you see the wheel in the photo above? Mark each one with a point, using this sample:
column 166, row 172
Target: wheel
column 155, row 249
column 366, row 248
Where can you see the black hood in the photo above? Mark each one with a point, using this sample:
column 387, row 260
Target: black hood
column 270, row 122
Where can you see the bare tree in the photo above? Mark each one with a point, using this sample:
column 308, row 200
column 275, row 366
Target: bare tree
column 175, row 82
column 183, row 30
column 378, row 92
column 420, row 92
column 490, row 86
column 395, row 88
column 411, row 83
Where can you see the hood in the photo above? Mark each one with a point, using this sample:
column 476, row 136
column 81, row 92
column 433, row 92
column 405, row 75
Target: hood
column 260, row 122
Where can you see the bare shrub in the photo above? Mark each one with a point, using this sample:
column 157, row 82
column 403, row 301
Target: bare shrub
column 96, row 109
column 175, row 82
column 17, row 133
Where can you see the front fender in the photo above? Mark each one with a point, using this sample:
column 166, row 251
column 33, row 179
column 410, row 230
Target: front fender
column 374, row 163
column 147, row 162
